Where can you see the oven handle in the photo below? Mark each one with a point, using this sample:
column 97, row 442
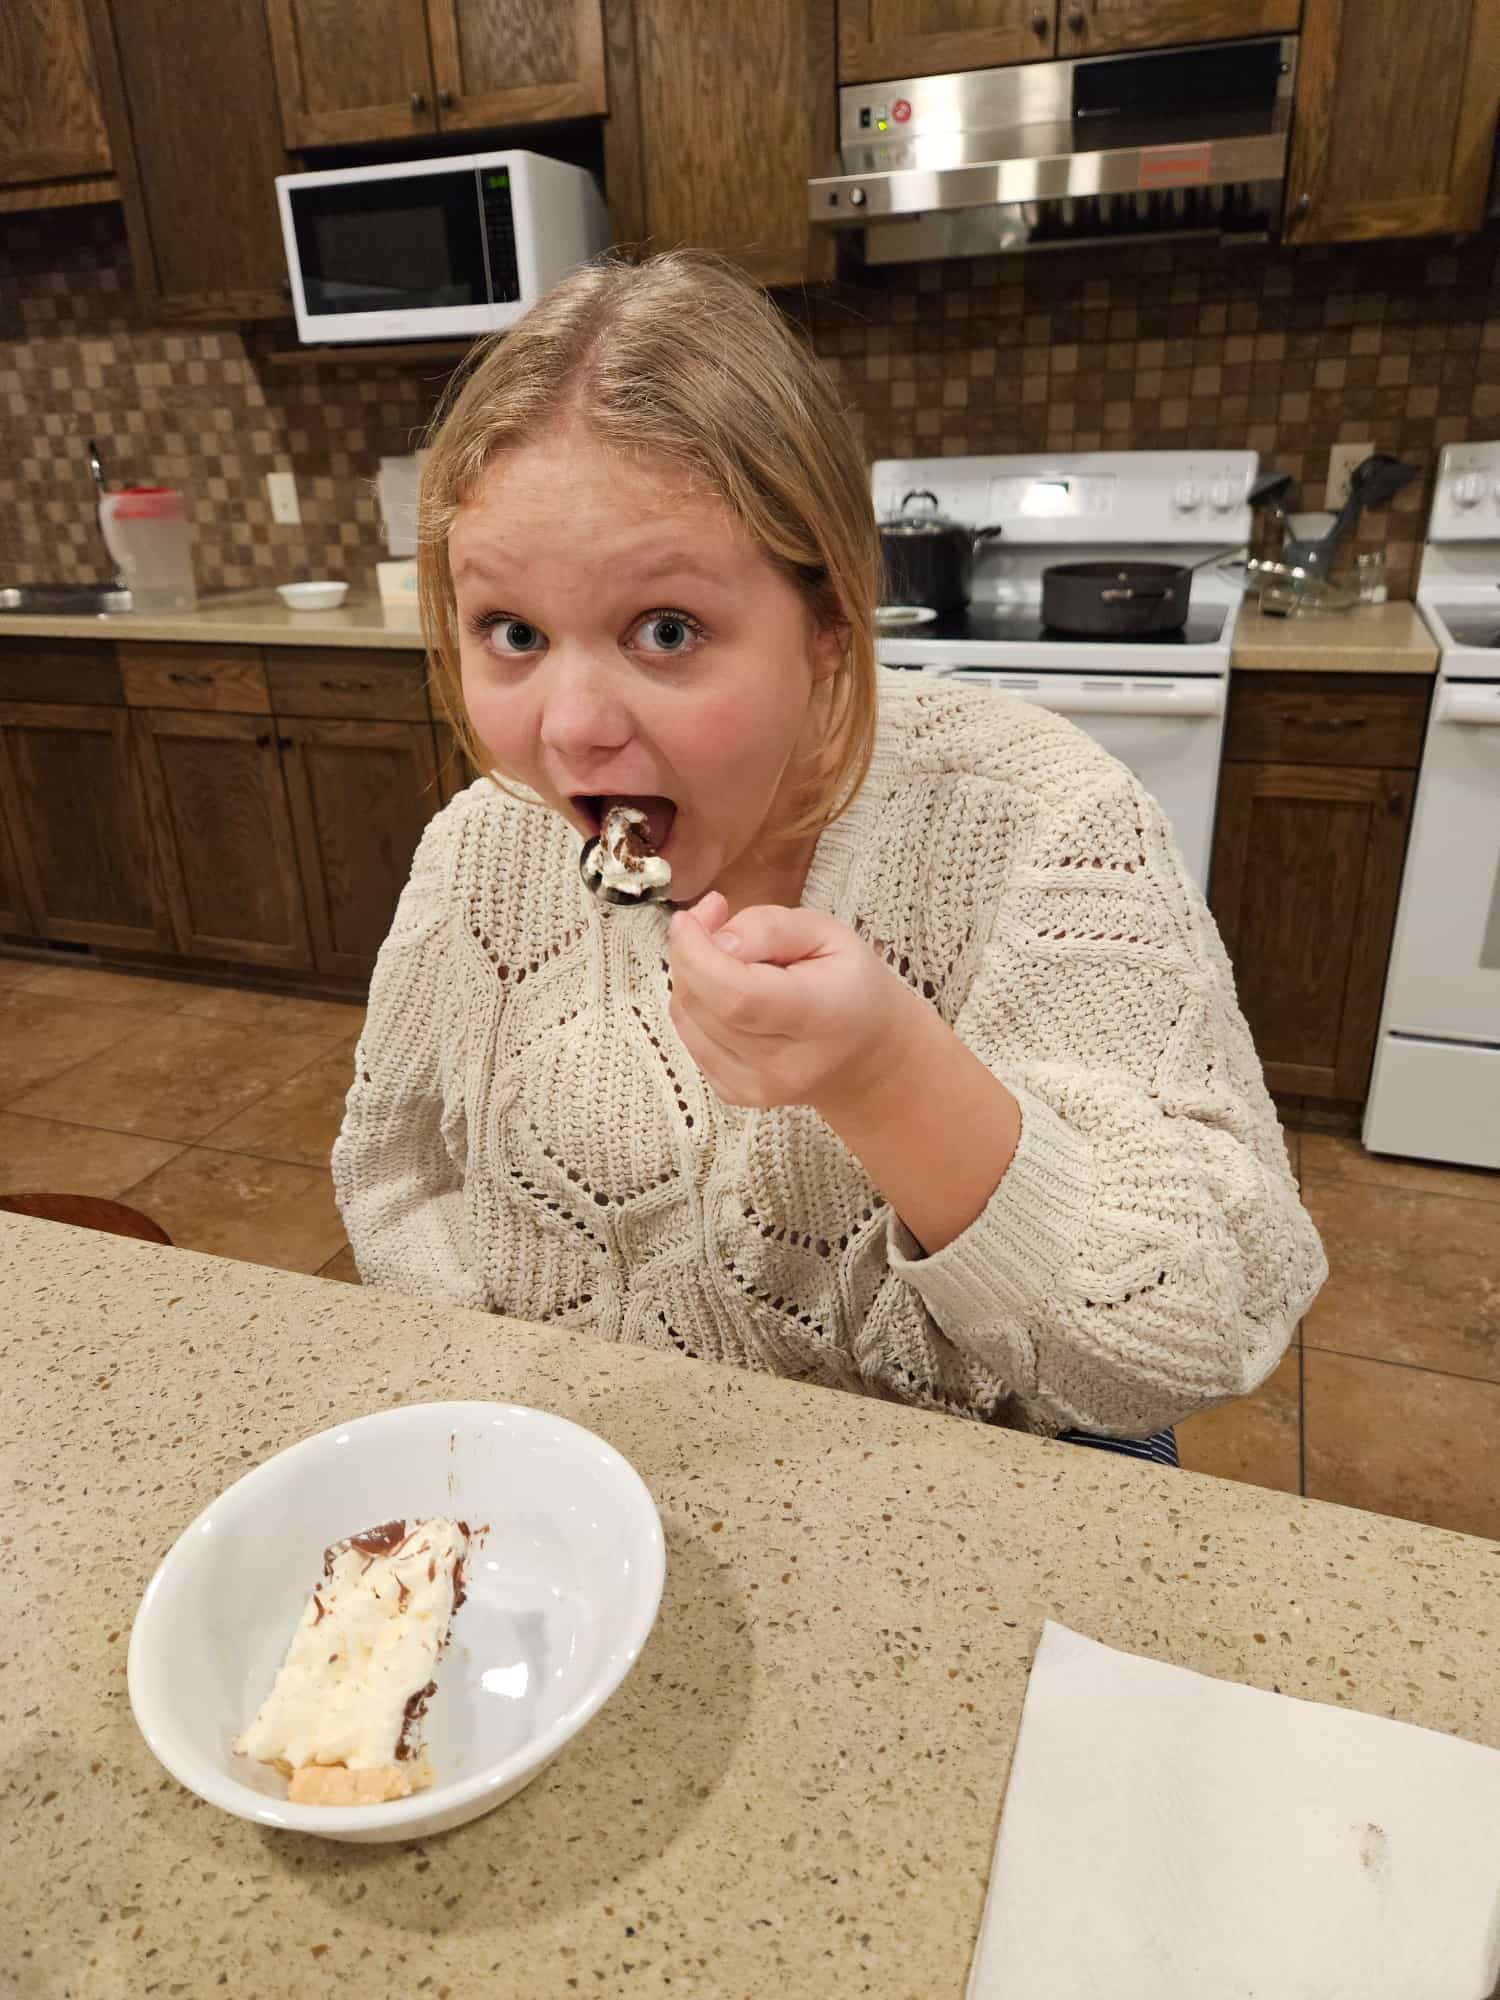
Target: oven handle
column 1468, row 704
column 1181, row 698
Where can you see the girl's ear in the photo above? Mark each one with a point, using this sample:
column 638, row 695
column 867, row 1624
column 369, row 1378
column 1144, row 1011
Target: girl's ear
column 830, row 638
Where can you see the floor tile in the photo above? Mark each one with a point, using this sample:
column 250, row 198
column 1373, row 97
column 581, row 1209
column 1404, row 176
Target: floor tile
column 342, row 1267
column 297, row 1121
column 1326, row 1158
column 1403, row 1441
column 1256, row 1439
column 42, row 1156
column 90, row 985
column 41, row 1038
column 14, row 971
column 263, row 1211
column 173, row 1078
column 1413, row 1277
column 335, row 1020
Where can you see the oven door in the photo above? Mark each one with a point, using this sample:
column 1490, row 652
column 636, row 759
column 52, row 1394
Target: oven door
column 387, row 253
column 1169, row 730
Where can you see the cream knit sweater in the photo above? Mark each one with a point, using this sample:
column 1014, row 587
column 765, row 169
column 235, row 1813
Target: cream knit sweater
column 525, row 1133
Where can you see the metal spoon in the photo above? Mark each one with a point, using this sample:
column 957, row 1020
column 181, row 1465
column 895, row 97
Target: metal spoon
column 657, row 893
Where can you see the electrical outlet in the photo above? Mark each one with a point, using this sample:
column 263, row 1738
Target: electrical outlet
column 1342, row 460
column 282, row 490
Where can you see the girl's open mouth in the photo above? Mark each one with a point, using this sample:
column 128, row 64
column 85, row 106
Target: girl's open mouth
column 660, row 813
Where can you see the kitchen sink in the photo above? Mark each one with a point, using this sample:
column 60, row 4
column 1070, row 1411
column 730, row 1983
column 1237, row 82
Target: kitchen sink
column 68, row 600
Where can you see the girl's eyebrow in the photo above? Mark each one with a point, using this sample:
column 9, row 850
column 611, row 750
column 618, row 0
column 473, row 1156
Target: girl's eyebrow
column 673, row 562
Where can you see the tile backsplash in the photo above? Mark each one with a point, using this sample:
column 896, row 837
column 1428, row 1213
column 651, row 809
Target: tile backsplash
column 1143, row 347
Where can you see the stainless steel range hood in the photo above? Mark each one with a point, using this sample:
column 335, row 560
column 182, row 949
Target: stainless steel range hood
column 1172, row 142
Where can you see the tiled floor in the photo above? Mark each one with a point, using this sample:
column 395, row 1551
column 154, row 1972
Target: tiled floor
column 214, row 1110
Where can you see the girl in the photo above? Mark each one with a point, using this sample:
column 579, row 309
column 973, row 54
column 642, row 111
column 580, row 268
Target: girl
column 933, row 1086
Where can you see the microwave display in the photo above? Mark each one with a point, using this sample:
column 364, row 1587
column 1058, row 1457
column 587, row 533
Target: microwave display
column 403, row 244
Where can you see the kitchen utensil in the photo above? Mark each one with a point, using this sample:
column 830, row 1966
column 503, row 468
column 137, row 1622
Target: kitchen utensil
column 563, row 1587
column 928, row 558
column 101, row 487
column 1120, row 599
column 312, row 596
column 661, row 893
column 1374, row 482
column 146, row 531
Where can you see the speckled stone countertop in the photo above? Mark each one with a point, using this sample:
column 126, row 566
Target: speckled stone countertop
column 239, row 618
column 1370, row 639
column 797, row 1790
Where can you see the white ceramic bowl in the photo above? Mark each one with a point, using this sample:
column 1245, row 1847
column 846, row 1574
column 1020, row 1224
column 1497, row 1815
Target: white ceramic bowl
column 562, row 1593
column 312, row 596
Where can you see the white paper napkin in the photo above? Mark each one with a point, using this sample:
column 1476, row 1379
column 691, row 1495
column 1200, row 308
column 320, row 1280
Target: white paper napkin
column 1171, row 1837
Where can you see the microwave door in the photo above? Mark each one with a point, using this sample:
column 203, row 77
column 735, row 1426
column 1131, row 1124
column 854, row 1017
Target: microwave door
column 391, row 258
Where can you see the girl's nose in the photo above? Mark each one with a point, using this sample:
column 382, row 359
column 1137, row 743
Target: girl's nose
column 582, row 714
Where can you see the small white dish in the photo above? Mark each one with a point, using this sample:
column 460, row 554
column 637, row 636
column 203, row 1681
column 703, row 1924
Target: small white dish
column 312, row 596
column 901, row 617
column 563, row 1589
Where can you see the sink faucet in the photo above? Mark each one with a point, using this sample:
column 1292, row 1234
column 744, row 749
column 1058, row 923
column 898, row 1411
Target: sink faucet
column 96, row 467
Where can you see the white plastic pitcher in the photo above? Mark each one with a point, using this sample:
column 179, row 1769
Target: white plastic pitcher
column 146, row 532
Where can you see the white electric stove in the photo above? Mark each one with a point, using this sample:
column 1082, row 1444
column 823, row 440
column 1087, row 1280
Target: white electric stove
column 1435, row 1091
column 1156, row 703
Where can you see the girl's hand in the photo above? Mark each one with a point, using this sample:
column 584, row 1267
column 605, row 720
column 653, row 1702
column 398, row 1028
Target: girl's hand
column 782, row 1006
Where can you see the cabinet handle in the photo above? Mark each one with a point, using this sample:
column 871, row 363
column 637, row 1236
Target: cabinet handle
column 262, row 742
column 286, row 743
column 1395, row 805
column 345, row 687
column 1322, row 721
column 418, row 103
column 192, row 680
column 1301, row 207
column 1040, row 25
column 445, row 100
column 1077, row 20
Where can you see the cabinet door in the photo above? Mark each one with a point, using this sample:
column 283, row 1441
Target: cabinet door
column 361, row 793
column 1395, row 118
column 224, row 833
column 190, row 100
column 16, row 913
column 51, row 125
column 896, row 38
column 348, row 70
column 695, row 154
column 1306, row 872
column 510, row 62
column 1092, row 27
column 76, row 811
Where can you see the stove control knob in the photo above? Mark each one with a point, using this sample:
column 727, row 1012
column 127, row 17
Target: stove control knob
column 1224, row 496
column 1187, row 496
column 1469, row 489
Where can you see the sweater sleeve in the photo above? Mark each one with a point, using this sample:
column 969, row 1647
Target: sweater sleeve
column 1146, row 1254
column 400, row 1157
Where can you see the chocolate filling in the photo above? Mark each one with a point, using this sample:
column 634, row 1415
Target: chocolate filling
column 415, row 1706
column 379, row 1541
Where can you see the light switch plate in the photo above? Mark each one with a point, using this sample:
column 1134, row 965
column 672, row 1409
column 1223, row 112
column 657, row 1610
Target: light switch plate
column 1342, row 460
column 282, row 490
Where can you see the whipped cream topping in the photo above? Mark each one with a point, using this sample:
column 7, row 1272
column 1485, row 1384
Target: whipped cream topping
column 358, row 1672
column 623, row 858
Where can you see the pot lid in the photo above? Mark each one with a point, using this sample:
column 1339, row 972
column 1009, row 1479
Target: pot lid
column 919, row 514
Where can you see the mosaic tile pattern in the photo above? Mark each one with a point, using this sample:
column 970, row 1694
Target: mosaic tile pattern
column 1166, row 346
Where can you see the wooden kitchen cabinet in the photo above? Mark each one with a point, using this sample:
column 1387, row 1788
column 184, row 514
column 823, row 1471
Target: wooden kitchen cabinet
column 352, row 70
column 190, row 102
column 51, row 123
column 361, row 793
column 16, row 913
column 1308, row 847
column 718, row 117
column 1395, row 118
column 224, row 837
column 77, row 817
column 1094, row 27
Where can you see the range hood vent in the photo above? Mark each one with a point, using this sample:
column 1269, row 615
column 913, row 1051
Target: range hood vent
column 1175, row 142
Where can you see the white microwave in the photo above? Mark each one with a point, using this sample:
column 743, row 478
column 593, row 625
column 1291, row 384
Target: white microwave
column 425, row 249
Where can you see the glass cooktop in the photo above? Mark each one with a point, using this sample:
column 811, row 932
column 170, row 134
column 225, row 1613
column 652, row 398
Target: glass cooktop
column 998, row 624
column 1469, row 628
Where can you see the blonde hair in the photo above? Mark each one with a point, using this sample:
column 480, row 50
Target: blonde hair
column 683, row 357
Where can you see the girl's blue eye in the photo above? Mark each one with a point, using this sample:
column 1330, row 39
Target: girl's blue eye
column 675, row 631
column 514, row 635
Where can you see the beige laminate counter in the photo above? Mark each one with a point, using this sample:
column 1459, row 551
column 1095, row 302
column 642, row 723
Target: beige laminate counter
column 239, row 618
column 1371, row 639
column 797, row 1790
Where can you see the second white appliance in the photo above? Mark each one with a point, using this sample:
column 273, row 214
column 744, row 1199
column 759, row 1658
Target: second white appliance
column 1435, row 1091
column 1157, row 703
column 429, row 249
